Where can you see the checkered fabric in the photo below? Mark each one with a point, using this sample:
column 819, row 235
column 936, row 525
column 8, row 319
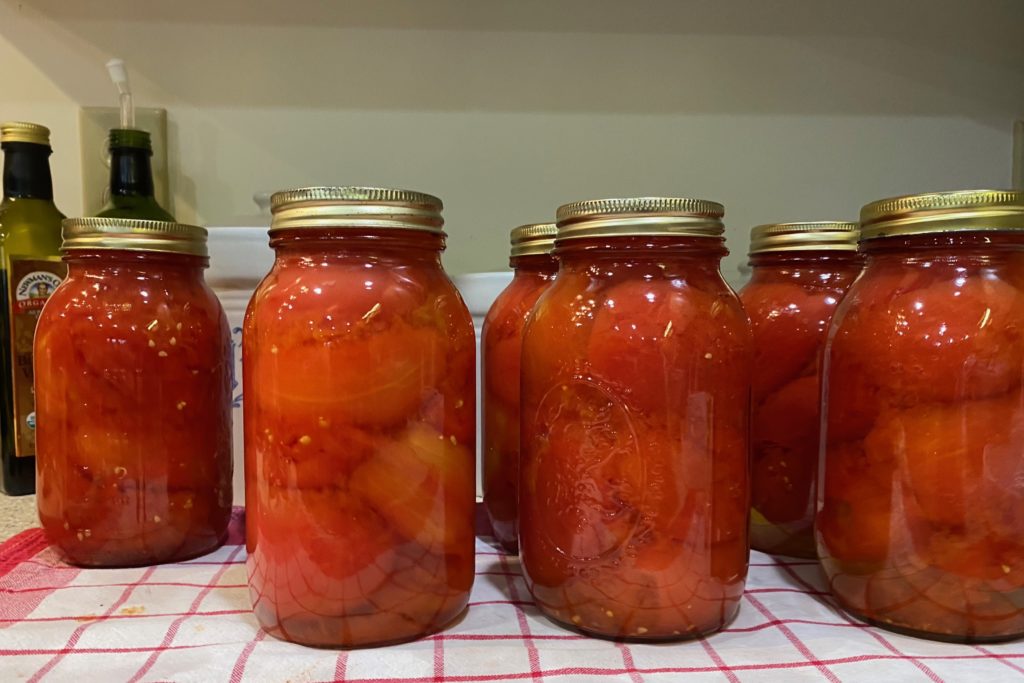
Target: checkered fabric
column 191, row 622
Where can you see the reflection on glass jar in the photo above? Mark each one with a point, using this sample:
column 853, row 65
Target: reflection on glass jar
column 634, row 494
column 133, row 397
column 359, row 422
column 535, row 268
column 800, row 273
column 922, row 500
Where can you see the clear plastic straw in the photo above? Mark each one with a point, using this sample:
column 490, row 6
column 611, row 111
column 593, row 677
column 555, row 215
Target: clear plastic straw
column 119, row 75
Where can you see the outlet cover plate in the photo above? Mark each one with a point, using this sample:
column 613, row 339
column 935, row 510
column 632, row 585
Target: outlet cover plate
column 94, row 125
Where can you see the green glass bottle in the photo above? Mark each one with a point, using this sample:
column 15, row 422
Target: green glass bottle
column 30, row 269
column 131, row 178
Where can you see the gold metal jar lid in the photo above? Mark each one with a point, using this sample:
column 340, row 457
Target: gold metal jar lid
column 806, row 236
column 957, row 211
column 533, row 239
column 22, row 131
column 642, row 216
column 355, row 207
column 129, row 234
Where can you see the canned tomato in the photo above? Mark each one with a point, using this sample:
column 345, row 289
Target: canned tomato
column 535, row 268
column 800, row 272
column 922, row 497
column 359, row 363
column 133, row 403
column 634, row 496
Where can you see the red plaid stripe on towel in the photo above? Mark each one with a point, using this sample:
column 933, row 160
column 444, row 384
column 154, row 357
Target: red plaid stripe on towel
column 191, row 622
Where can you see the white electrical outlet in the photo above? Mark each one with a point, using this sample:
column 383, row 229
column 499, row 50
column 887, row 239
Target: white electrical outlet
column 94, row 124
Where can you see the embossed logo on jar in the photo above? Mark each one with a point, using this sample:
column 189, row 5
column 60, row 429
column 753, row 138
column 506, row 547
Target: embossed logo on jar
column 590, row 470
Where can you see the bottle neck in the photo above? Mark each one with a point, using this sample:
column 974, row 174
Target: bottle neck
column 93, row 261
column 945, row 244
column 641, row 248
column 694, row 259
column 822, row 268
column 825, row 258
column 131, row 174
column 27, row 171
column 540, row 264
column 320, row 245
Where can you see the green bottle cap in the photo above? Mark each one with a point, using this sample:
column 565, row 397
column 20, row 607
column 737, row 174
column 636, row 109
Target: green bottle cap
column 130, row 137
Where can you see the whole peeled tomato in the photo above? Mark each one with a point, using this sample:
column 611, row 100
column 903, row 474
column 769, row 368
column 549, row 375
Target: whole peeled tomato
column 729, row 454
column 697, row 496
column 555, row 338
column 855, row 519
column 501, row 463
column 375, row 378
column 456, row 388
column 422, row 484
column 503, row 338
column 851, row 398
column 785, row 445
column 956, row 338
column 335, row 550
column 304, row 449
column 337, row 296
column 955, row 455
column 585, row 476
column 984, row 560
column 502, row 357
column 789, row 323
column 652, row 341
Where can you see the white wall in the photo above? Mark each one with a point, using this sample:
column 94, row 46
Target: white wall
column 782, row 110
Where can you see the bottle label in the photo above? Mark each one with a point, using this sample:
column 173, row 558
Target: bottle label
column 32, row 281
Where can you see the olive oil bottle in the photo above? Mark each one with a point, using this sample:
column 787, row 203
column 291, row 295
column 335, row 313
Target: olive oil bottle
column 30, row 269
column 131, row 178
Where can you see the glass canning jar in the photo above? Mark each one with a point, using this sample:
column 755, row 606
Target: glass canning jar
column 534, row 268
column 133, row 402
column 358, row 362
column 921, row 505
column 800, row 272
column 634, row 496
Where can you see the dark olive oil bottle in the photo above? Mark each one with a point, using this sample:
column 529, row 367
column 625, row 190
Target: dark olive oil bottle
column 131, row 178
column 30, row 269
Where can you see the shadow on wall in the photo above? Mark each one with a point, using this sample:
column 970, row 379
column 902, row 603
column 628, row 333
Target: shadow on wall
column 931, row 57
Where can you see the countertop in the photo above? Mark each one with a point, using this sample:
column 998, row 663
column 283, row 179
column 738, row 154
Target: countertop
column 16, row 514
